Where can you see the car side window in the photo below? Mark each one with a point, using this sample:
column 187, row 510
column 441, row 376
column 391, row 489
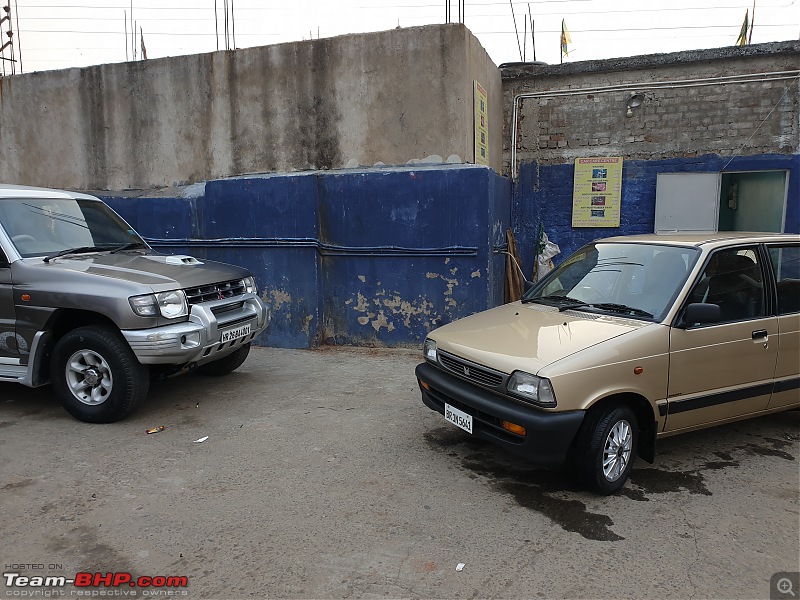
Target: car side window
column 3, row 259
column 733, row 280
column 786, row 265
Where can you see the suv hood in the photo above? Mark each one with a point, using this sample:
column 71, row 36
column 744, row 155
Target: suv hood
column 527, row 336
column 159, row 271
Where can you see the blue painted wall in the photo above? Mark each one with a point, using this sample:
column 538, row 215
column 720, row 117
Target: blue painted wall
column 543, row 194
column 365, row 257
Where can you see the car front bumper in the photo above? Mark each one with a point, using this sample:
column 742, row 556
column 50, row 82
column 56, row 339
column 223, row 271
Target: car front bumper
column 199, row 340
column 549, row 435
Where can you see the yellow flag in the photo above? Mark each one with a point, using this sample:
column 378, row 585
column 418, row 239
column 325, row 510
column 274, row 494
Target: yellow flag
column 565, row 38
column 742, row 39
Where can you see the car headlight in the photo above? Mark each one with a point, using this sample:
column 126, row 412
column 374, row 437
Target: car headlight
column 169, row 304
column 531, row 388
column 249, row 285
column 429, row 350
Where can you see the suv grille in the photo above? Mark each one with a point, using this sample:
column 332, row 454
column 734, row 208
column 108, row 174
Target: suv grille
column 470, row 371
column 217, row 291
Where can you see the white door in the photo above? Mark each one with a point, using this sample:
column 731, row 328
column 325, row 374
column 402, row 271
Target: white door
column 687, row 202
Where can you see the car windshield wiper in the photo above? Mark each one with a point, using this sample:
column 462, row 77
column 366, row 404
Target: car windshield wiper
column 609, row 306
column 549, row 300
column 79, row 250
column 131, row 246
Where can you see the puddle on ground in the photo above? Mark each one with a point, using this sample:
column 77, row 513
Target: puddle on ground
column 549, row 492
column 555, row 494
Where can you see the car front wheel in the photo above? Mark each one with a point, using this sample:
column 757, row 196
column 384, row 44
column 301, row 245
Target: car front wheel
column 606, row 448
column 96, row 375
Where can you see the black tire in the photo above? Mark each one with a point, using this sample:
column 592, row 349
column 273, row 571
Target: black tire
column 226, row 364
column 597, row 443
column 96, row 376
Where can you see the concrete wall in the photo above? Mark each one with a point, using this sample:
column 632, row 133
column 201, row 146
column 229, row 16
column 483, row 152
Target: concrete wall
column 391, row 97
column 363, row 257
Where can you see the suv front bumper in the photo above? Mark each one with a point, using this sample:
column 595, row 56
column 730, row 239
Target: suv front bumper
column 198, row 340
column 549, row 435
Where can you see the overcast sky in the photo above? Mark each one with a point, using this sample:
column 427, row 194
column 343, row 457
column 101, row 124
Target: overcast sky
column 57, row 34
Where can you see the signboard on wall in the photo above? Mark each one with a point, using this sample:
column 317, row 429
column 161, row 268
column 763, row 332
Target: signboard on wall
column 481, row 124
column 597, row 192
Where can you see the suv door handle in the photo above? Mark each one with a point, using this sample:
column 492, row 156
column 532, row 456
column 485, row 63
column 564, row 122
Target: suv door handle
column 761, row 333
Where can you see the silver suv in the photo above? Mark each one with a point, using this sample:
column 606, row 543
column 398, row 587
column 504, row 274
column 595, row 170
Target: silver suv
column 87, row 306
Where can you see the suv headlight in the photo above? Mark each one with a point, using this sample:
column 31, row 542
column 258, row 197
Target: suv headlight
column 249, row 285
column 429, row 350
column 169, row 304
column 531, row 388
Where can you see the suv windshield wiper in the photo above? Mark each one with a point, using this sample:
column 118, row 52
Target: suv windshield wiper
column 131, row 246
column 79, row 250
column 609, row 306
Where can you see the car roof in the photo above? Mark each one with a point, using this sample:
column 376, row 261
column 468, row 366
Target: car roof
column 24, row 191
column 718, row 238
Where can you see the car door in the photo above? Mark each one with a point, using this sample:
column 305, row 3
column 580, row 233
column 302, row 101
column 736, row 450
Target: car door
column 785, row 259
column 724, row 370
column 8, row 343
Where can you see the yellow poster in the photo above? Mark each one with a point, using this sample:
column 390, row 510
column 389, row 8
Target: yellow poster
column 481, row 125
column 597, row 192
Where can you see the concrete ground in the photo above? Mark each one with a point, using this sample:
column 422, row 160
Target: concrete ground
column 324, row 476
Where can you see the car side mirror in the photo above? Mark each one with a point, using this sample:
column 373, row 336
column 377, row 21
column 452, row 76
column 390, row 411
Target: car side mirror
column 700, row 312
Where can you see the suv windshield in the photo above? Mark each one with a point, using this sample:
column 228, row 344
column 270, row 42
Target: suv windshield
column 46, row 227
column 636, row 280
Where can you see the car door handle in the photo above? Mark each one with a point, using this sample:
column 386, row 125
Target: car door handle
column 761, row 333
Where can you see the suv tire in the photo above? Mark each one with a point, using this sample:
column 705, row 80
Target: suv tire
column 96, row 375
column 226, row 364
column 606, row 448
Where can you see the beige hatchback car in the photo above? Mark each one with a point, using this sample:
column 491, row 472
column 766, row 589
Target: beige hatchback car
column 629, row 340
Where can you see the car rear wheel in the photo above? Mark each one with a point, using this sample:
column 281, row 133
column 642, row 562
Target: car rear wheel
column 606, row 448
column 96, row 375
column 226, row 364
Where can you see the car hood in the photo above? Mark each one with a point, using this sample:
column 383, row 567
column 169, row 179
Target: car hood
column 528, row 336
column 158, row 271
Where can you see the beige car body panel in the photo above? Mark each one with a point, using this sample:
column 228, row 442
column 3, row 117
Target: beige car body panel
column 588, row 357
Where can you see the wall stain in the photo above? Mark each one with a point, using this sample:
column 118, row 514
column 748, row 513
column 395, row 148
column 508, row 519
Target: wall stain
column 548, row 492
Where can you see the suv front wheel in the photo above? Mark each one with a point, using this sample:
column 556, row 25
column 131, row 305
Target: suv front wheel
column 96, row 375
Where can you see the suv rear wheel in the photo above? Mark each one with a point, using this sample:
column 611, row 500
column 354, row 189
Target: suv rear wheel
column 96, row 375
column 606, row 448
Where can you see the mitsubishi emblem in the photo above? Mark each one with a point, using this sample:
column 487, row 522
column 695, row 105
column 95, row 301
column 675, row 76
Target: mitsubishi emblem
column 466, row 371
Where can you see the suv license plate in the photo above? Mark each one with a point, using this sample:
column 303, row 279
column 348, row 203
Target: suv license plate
column 458, row 418
column 235, row 334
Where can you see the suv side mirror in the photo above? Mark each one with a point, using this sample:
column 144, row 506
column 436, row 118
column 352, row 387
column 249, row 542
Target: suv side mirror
column 700, row 312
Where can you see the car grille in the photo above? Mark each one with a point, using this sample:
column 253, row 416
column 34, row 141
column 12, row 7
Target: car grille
column 470, row 371
column 216, row 291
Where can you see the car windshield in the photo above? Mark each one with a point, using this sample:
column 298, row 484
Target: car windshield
column 631, row 279
column 50, row 226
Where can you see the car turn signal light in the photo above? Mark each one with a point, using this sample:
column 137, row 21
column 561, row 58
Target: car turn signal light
column 514, row 428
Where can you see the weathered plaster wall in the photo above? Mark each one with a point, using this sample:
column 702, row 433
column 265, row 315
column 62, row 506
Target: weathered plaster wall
column 694, row 103
column 365, row 257
column 384, row 97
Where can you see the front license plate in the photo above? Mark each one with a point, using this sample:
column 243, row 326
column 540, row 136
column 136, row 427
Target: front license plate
column 458, row 418
column 235, row 334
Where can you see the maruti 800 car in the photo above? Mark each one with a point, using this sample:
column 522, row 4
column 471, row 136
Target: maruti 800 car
column 629, row 340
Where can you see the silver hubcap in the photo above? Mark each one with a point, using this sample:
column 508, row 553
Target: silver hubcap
column 89, row 377
column 617, row 451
